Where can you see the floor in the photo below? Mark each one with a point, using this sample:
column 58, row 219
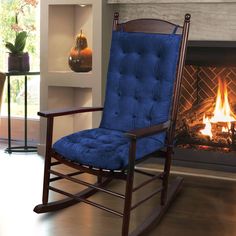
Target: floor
column 206, row 205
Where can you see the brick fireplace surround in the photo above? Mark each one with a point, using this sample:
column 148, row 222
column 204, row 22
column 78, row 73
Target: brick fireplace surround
column 207, row 61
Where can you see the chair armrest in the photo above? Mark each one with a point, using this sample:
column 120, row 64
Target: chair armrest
column 148, row 131
column 69, row 111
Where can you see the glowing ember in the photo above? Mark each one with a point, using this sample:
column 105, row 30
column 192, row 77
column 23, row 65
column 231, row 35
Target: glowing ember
column 225, row 130
column 222, row 111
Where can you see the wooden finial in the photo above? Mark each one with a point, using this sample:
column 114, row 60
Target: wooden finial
column 187, row 17
column 116, row 16
column 115, row 20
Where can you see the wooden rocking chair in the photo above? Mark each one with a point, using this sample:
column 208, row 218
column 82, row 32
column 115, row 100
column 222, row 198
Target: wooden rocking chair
column 139, row 116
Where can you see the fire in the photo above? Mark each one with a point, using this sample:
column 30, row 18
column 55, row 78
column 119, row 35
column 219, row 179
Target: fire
column 222, row 111
column 207, row 129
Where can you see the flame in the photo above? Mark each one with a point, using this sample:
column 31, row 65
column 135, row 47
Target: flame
column 207, row 129
column 222, row 111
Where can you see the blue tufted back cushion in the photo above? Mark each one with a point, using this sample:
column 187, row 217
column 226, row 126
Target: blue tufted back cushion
column 140, row 80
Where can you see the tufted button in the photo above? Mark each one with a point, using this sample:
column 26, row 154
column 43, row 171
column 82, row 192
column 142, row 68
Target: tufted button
column 138, row 54
column 116, row 113
column 149, row 118
column 134, row 116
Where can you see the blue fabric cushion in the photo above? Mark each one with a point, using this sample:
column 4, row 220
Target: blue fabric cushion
column 103, row 148
column 139, row 92
column 140, row 80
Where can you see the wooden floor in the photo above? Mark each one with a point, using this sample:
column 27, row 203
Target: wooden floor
column 205, row 206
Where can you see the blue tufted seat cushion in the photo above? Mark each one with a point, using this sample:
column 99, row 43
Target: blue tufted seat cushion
column 139, row 93
column 103, row 148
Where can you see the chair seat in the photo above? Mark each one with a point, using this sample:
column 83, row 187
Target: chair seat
column 104, row 148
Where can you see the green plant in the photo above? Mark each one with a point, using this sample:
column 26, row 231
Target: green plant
column 19, row 44
column 21, row 29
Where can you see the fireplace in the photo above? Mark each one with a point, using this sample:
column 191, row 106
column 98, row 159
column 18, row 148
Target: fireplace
column 208, row 91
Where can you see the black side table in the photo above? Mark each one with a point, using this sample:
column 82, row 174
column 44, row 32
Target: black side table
column 24, row 148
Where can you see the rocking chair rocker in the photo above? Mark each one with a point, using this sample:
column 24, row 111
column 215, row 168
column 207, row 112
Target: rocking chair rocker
column 139, row 116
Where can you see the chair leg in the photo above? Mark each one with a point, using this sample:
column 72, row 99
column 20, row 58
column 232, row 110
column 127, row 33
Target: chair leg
column 99, row 178
column 166, row 175
column 47, row 164
column 129, row 189
column 47, row 167
column 127, row 205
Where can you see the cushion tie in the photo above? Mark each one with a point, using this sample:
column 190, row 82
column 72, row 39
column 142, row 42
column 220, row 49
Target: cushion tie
column 175, row 29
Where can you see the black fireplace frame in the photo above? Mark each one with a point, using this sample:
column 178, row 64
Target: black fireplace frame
column 211, row 53
column 208, row 53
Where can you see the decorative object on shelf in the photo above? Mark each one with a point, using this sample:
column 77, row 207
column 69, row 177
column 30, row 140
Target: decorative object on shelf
column 80, row 58
column 18, row 60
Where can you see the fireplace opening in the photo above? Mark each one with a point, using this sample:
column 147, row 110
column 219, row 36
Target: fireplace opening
column 207, row 115
column 210, row 121
column 206, row 125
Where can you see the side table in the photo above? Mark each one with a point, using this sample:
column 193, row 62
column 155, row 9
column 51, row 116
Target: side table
column 24, row 148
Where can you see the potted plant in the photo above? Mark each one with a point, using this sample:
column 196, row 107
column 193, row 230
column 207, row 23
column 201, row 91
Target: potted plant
column 18, row 60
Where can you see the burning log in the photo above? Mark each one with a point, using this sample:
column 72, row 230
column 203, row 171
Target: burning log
column 208, row 123
column 193, row 116
column 233, row 131
column 196, row 111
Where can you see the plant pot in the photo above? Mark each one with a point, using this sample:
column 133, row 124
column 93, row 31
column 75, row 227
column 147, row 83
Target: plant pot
column 18, row 62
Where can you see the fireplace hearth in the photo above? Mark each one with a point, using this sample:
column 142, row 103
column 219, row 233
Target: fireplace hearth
column 210, row 69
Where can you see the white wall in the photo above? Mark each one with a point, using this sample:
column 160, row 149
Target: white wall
column 211, row 19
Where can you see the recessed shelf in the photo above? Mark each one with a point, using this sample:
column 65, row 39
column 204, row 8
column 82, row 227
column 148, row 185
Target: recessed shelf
column 61, row 21
column 84, row 83
column 65, row 21
column 70, row 79
column 70, row 74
